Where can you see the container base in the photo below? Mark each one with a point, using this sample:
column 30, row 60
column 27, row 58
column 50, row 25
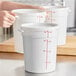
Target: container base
column 40, row 72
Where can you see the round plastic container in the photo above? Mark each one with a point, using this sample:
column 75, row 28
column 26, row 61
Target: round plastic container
column 59, row 16
column 25, row 16
column 40, row 47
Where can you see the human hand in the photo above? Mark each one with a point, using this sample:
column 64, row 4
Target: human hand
column 7, row 18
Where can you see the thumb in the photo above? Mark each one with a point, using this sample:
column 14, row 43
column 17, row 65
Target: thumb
column 12, row 13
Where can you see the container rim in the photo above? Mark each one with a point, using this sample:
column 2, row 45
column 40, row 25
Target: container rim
column 39, row 26
column 28, row 11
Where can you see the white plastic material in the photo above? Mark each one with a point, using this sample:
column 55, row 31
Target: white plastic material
column 40, row 47
column 58, row 15
column 62, row 17
column 25, row 16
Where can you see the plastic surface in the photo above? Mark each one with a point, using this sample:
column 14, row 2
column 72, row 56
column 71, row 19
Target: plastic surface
column 40, row 46
column 25, row 16
column 59, row 16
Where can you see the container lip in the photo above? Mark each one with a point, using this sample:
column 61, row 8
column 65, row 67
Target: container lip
column 27, row 11
column 39, row 26
column 54, row 7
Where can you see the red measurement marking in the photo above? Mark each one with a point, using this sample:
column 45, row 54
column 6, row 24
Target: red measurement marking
column 46, row 53
column 39, row 16
column 47, row 42
column 53, row 12
column 47, row 32
column 50, row 12
column 51, row 18
column 47, row 16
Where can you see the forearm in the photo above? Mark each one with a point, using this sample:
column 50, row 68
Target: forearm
column 6, row 5
column 0, row 5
